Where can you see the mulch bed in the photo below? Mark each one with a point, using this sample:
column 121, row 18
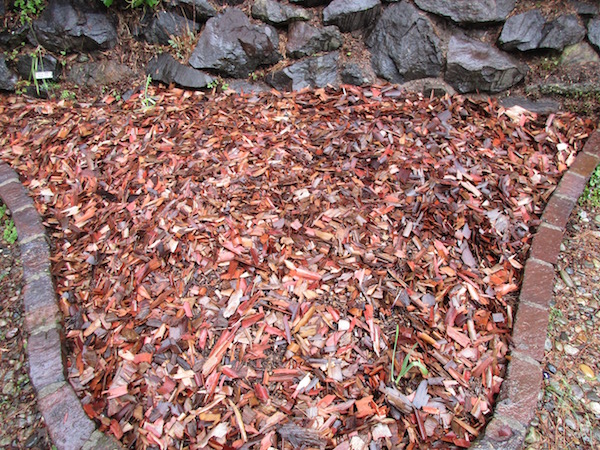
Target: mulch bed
column 327, row 269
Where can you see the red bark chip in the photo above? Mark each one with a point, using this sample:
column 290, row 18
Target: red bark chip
column 520, row 390
column 215, row 228
column 558, row 210
column 45, row 359
column 538, row 283
column 546, row 244
column 529, row 331
column 68, row 425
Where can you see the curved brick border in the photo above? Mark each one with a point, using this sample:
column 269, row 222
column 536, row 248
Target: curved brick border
column 70, row 428
column 518, row 398
column 68, row 425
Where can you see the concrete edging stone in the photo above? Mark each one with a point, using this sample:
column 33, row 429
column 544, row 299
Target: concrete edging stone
column 71, row 429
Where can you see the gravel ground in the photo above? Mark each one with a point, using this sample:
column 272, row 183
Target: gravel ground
column 568, row 415
column 22, row 425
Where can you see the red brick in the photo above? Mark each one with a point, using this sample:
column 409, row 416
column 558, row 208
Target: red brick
column 530, row 329
column 538, row 283
column 38, row 294
column 45, row 359
column 43, row 317
column 546, row 244
column 28, row 223
column 593, row 143
column 67, row 423
column 585, row 164
column 571, row 185
column 499, row 435
column 35, row 255
column 101, row 441
column 14, row 196
column 558, row 210
column 520, row 391
column 6, row 173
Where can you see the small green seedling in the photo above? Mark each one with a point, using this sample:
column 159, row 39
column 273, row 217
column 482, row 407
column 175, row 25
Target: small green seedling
column 406, row 364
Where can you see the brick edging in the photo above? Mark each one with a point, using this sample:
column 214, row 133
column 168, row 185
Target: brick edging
column 70, row 428
column 518, row 397
column 68, row 425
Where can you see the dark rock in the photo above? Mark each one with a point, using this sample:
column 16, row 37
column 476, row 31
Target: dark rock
column 350, row 15
column 310, row 3
column 159, row 27
column 404, row 45
column 74, row 25
column 352, row 73
column 166, row 69
column 428, row 86
column 13, row 37
column 8, row 80
column 229, row 2
column 586, row 9
column 275, row 13
column 523, row 32
column 562, row 31
column 544, row 106
column 594, row 32
column 318, row 71
column 306, row 40
column 233, row 46
column 247, row 87
column 47, row 63
column 475, row 66
column 201, row 10
column 469, row 11
column 2, row 8
column 581, row 53
column 99, row 73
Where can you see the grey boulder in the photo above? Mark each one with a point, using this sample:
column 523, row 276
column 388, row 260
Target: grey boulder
column 8, row 80
column 404, row 45
column 275, row 13
column 200, row 10
column 594, row 32
column 168, row 70
column 162, row 26
column 232, row 46
column 74, row 26
column 350, row 15
column 561, row 32
column 317, row 71
column 469, row 11
column 523, row 32
column 306, row 40
column 475, row 66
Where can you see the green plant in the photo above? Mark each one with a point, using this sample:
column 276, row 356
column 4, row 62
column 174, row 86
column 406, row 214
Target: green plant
column 406, row 364
column 217, row 82
column 28, row 9
column 10, row 231
column 148, row 100
column 591, row 193
column 67, row 95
